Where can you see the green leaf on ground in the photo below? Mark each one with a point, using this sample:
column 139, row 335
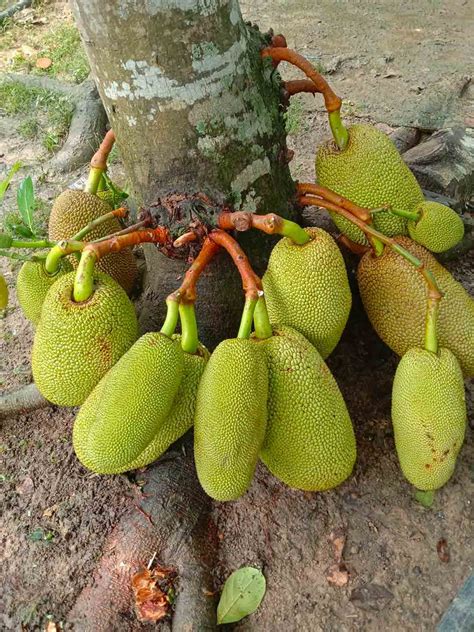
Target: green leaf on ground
column 25, row 197
column 242, row 594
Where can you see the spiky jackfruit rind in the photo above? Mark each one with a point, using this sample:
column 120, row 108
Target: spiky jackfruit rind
column 76, row 344
column 394, row 296
column 133, row 401
column 371, row 173
column 72, row 211
column 32, row 285
column 429, row 416
column 309, row 443
column 439, row 227
column 306, row 287
column 181, row 416
column 230, row 419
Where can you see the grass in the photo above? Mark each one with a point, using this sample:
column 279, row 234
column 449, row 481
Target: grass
column 294, row 116
column 61, row 44
column 49, row 113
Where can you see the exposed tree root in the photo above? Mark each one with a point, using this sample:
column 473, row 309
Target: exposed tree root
column 18, row 6
column 24, row 400
column 170, row 522
column 88, row 122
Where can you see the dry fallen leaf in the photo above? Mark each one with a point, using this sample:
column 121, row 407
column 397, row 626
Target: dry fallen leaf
column 152, row 590
column 337, row 538
column 48, row 512
column 43, row 62
column 338, row 575
column 443, row 550
column 51, row 627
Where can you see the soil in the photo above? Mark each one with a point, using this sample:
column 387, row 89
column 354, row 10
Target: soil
column 57, row 515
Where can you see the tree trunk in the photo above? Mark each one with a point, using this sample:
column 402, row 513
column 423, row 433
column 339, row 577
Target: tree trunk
column 194, row 108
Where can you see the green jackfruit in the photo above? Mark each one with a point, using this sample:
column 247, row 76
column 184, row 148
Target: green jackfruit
column 124, row 413
column 77, row 343
column 306, row 287
column 309, row 443
column 439, row 227
column 32, row 285
column 371, row 173
column 429, row 416
column 230, row 419
column 181, row 416
column 72, row 211
column 394, row 296
column 3, row 293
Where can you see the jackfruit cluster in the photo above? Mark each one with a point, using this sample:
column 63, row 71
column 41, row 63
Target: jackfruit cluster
column 275, row 399
column 76, row 344
column 72, row 211
column 371, row 173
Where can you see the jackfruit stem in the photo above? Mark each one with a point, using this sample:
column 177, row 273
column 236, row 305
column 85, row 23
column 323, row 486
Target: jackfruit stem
column 303, row 188
column 60, row 250
column 246, row 321
column 331, row 101
column 271, row 223
column 339, row 132
column 130, row 229
column 411, row 215
column 171, row 320
column 251, row 283
column 187, row 289
column 29, row 243
column 84, row 279
column 376, row 237
column 118, row 212
column 263, row 328
column 19, row 257
column 93, row 180
column 431, row 338
column 189, row 330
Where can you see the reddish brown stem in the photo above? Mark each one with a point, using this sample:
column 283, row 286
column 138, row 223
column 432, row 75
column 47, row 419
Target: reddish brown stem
column 99, row 159
column 242, row 221
column 251, row 283
column 185, row 239
column 186, row 293
column 116, row 243
column 303, row 188
column 296, row 86
column 125, row 231
column 357, row 249
column 331, row 100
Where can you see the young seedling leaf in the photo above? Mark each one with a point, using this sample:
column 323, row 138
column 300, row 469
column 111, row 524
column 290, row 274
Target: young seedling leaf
column 5, row 183
column 25, row 197
column 242, row 595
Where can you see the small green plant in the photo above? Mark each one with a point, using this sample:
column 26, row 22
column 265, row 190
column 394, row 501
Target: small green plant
column 293, row 118
column 30, row 218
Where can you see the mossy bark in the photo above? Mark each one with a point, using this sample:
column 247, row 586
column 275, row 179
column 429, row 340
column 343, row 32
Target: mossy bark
column 194, row 108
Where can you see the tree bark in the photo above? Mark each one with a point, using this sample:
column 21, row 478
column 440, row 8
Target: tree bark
column 194, row 108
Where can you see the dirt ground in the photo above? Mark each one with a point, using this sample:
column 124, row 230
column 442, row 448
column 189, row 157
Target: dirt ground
column 56, row 515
